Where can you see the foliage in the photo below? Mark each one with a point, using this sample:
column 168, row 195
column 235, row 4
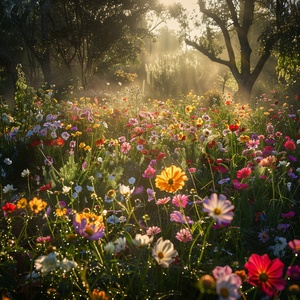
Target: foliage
column 123, row 198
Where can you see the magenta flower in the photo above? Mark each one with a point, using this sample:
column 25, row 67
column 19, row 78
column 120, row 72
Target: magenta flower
column 293, row 272
column 219, row 208
column 184, row 235
column 238, row 185
column 180, row 200
column 149, row 172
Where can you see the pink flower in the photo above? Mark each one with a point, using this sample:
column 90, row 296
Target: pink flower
column 244, row 173
column 265, row 273
column 149, row 172
column 219, row 208
column 125, row 147
column 294, row 245
column 153, row 230
column 221, row 271
column 163, row 200
column 184, row 235
column 180, row 200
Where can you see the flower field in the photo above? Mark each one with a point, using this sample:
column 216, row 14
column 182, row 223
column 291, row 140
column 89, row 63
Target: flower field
column 120, row 197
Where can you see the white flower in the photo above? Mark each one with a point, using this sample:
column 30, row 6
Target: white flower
column 163, row 252
column 66, row 189
column 68, row 265
column 125, row 190
column 142, row 240
column 46, row 263
column 122, row 219
column 25, row 173
column 7, row 161
column 227, row 287
column 8, row 188
column 109, row 248
column 120, row 244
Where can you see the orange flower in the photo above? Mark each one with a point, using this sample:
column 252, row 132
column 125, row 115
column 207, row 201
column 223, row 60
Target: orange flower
column 99, row 295
column 36, row 205
column 171, row 179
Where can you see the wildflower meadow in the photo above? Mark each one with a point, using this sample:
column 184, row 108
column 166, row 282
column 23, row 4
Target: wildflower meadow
column 123, row 197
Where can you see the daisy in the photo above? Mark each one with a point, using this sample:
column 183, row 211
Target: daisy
column 219, row 208
column 163, row 252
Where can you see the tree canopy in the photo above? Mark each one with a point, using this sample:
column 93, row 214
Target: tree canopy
column 74, row 37
column 242, row 34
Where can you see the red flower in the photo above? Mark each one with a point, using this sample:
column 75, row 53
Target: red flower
column 290, row 145
column 9, row 207
column 244, row 173
column 265, row 273
column 36, row 142
column 233, row 127
column 46, row 187
column 160, row 156
column 59, row 141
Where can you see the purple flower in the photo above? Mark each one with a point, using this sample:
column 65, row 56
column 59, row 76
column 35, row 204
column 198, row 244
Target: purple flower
column 93, row 231
column 177, row 216
column 219, row 208
column 293, row 272
column 151, row 194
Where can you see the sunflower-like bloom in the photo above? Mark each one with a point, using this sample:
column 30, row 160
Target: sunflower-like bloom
column 164, row 253
column 89, row 225
column 265, row 273
column 171, row 179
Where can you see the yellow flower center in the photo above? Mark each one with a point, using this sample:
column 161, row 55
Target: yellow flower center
column 224, row 292
column 217, row 211
column 263, row 277
column 160, row 255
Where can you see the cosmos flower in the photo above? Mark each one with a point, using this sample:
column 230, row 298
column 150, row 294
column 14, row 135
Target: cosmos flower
column 184, row 235
column 180, row 200
column 149, row 172
column 294, row 245
column 227, row 287
column 177, row 216
column 265, row 273
column 293, row 272
column 9, row 207
column 164, row 253
column 89, row 225
column 171, row 179
column 142, row 240
column 219, row 208
column 153, row 230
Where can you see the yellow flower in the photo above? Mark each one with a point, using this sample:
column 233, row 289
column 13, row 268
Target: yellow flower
column 60, row 212
column 96, row 125
column 171, row 179
column 82, row 145
column 36, row 205
column 244, row 138
column 188, row 109
column 22, row 203
column 87, row 148
column 68, row 127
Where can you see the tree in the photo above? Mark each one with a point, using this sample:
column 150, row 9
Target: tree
column 234, row 21
column 84, row 35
